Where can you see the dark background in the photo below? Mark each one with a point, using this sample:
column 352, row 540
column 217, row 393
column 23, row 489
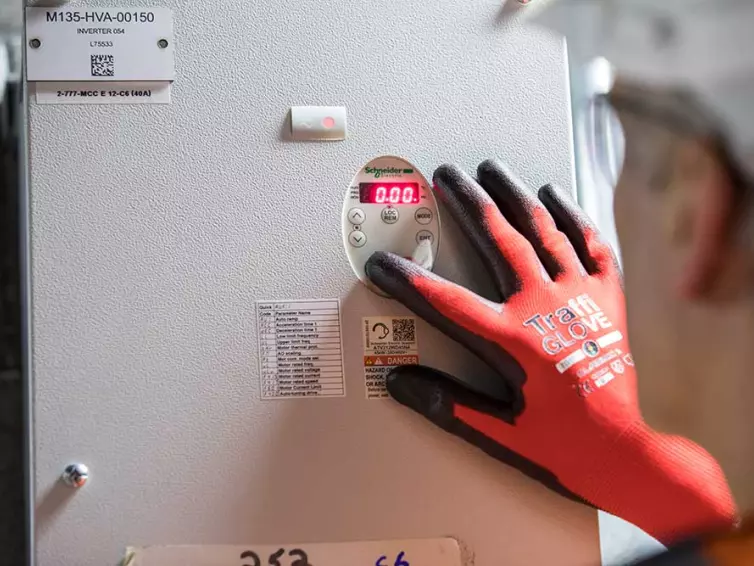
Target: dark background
column 12, row 473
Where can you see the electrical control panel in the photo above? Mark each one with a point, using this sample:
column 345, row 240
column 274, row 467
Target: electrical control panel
column 202, row 366
column 389, row 206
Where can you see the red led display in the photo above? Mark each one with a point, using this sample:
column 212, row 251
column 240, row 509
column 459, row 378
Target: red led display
column 389, row 193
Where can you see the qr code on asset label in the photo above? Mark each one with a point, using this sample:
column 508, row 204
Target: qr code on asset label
column 404, row 330
column 103, row 65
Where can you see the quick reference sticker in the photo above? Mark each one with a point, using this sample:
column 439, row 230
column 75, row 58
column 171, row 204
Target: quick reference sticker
column 300, row 349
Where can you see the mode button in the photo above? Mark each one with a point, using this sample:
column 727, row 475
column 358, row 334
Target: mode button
column 423, row 216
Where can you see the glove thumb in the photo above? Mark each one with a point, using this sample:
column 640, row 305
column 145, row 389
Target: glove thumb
column 444, row 399
column 436, row 395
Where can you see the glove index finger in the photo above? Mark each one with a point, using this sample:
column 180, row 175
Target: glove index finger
column 507, row 254
column 596, row 255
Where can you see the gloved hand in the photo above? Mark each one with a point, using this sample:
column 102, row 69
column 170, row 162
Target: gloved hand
column 566, row 412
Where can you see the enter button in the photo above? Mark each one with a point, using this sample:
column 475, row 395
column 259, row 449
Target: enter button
column 425, row 236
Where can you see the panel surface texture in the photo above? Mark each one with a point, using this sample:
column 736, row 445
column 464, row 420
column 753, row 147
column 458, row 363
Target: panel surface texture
column 154, row 229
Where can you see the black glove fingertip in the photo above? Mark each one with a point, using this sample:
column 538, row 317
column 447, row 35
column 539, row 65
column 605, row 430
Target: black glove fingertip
column 447, row 174
column 375, row 265
column 392, row 274
column 421, row 389
column 435, row 395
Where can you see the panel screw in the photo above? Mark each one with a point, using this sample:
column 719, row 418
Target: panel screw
column 163, row 44
column 665, row 32
column 76, row 475
column 35, row 43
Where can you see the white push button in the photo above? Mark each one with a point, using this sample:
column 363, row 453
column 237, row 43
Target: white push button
column 357, row 239
column 425, row 236
column 316, row 123
column 390, row 215
column 356, row 216
column 423, row 216
column 423, row 255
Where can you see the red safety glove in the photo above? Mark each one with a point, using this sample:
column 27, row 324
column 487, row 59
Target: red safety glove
column 566, row 410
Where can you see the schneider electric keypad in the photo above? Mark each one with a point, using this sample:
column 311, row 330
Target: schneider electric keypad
column 390, row 206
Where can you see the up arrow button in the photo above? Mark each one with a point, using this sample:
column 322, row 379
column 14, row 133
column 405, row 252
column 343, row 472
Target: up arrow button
column 356, row 216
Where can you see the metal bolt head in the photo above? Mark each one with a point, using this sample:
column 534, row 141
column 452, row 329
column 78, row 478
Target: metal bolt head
column 163, row 44
column 35, row 43
column 664, row 32
column 76, row 475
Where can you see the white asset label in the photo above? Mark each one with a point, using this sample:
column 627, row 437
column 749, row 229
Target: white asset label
column 99, row 44
column 388, row 342
column 421, row 552
column 300, row 349
column 103, row 93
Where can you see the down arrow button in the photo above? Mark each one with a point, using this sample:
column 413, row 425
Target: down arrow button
column 357, row 239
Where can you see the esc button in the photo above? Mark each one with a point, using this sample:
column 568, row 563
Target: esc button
column 389, row 216
column 425, row 236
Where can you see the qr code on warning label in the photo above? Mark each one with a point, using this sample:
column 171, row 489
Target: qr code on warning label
column 103, row 65
column 404, row 330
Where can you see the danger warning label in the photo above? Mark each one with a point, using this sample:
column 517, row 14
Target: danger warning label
column 390, row 360
column 388, row 342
